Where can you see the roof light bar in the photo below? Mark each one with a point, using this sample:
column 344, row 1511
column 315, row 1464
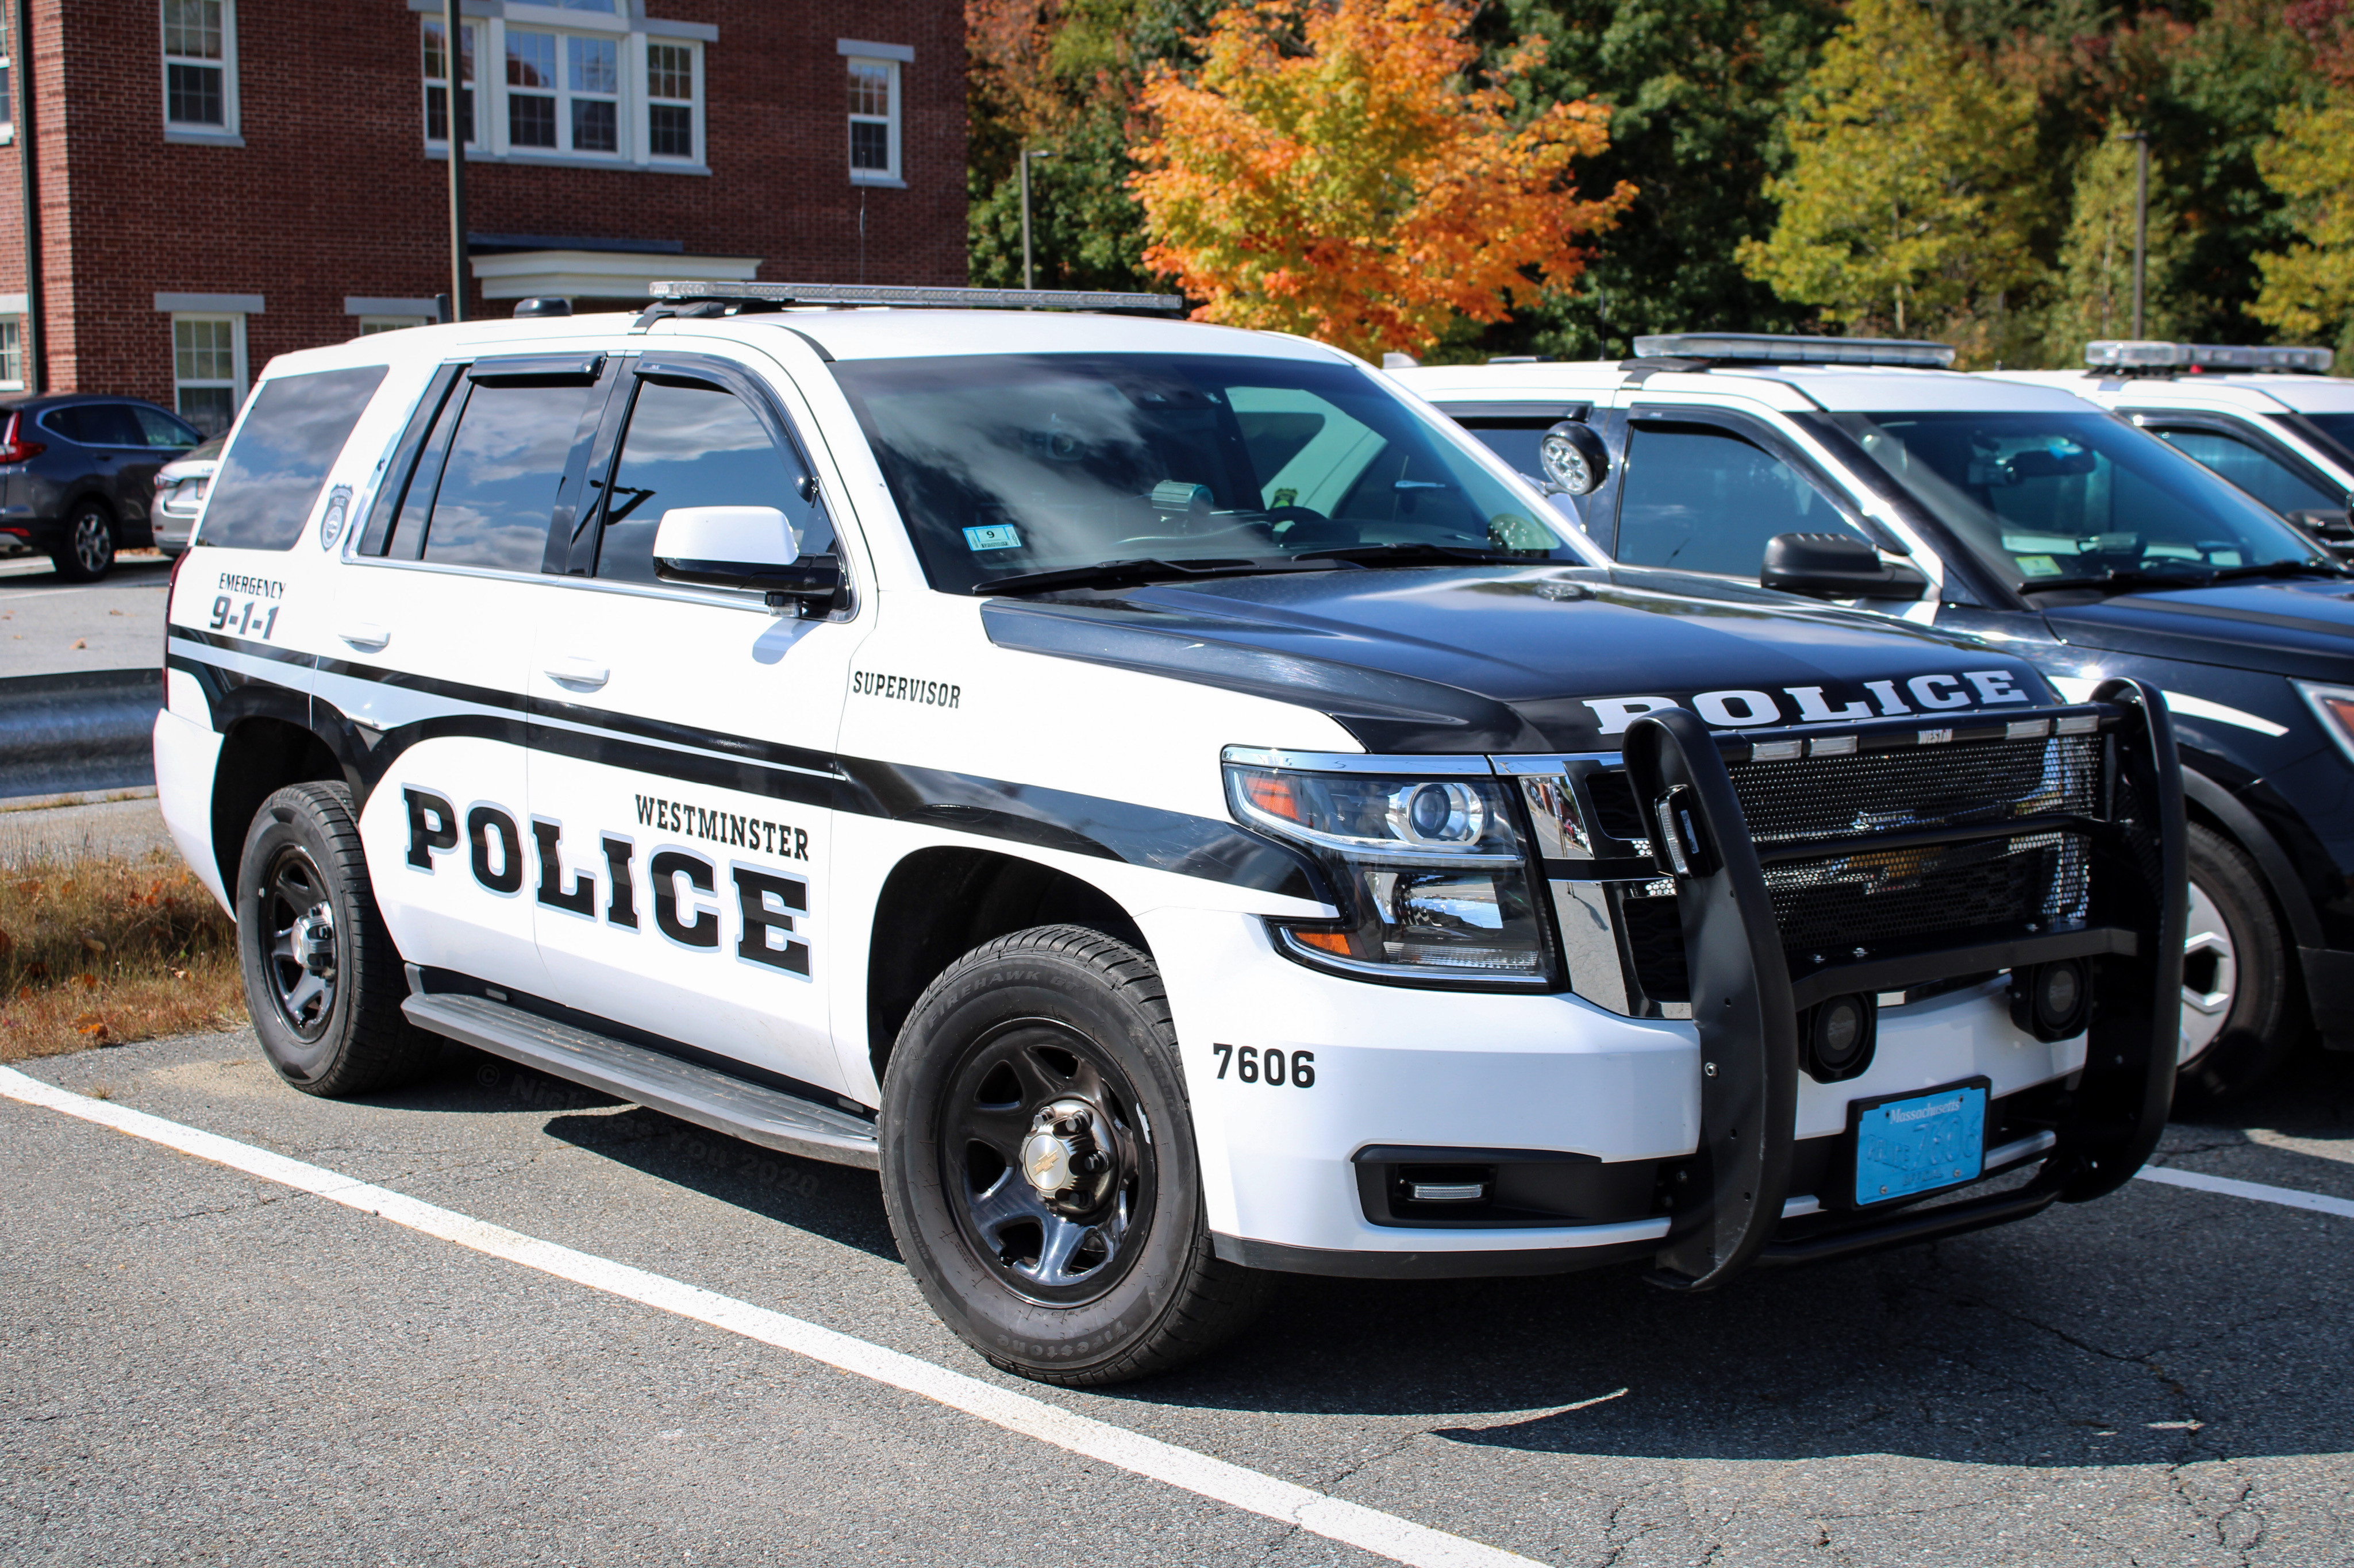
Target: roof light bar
column 1767, row 348
column 2129, row 353
column 782, row 294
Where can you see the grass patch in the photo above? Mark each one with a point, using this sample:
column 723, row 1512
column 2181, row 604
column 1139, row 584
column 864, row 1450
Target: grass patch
column 103, row 951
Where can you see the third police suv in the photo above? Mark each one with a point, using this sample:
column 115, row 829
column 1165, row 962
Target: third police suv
column 1177, row 809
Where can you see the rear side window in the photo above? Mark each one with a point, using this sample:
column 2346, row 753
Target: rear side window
column 273, row 470
column 2253, row 471
column 98, row 425
column 505, row 471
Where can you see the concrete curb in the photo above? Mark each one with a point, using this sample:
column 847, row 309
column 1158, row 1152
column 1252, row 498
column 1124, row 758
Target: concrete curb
column 89, row 730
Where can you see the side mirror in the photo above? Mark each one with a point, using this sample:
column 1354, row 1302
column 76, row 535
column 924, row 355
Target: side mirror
column 744, row 547
column 1835, row 566
column 1573, row 457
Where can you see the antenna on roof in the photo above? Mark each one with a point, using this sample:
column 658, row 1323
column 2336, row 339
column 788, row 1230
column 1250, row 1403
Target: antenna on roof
column 777, row 296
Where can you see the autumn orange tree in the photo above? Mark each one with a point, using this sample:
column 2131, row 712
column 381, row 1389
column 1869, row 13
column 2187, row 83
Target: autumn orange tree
column 1336, row 169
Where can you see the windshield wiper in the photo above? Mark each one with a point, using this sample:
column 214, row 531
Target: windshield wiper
column 2282, row 569
column 1412, row 553
column 1116, row 573
column 2122, row 577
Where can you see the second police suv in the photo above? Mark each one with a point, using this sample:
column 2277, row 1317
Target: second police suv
column 1175, row 807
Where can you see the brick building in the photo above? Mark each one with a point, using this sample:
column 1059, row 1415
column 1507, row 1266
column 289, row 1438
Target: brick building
column 218, row 181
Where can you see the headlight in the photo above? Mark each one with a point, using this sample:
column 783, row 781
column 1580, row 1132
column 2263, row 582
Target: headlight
column 2334, row 705
column 1430, row 875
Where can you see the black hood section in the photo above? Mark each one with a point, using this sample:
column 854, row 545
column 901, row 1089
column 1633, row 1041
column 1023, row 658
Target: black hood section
column 1501, row 658
column 2292, row 627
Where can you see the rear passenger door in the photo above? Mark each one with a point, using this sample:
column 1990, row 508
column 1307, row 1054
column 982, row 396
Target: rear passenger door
column 684, row 764
column 435, row 616
column 1701, row 491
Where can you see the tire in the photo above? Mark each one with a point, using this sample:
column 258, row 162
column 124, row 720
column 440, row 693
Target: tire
column 2242, row 1017
column 1111, row 1276
column 88, row 552
column 331, row 1025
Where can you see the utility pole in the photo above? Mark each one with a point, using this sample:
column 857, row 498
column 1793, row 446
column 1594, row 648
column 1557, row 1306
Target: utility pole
column 453, row 62
column 2140, row 138
column 1027, row 154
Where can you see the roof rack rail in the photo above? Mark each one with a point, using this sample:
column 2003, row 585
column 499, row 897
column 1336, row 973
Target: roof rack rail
column 777, row 296
column 2129, row 355
column 1778, row 348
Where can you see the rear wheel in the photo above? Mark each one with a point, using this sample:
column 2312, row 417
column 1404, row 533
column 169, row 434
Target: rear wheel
column 88, row 552
column 2241, row 1015
column 1038, row 1164
column 321, row 980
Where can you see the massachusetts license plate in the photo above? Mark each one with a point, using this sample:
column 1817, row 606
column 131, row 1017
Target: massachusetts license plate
column 1908, row 1146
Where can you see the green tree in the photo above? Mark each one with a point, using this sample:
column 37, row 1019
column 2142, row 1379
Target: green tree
column 2308, row 287
column 1913, row 188
column 2095, row 285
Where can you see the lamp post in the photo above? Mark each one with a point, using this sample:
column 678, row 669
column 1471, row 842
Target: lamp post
column 2140, row 138
column 453, row 62
column 1027, row 154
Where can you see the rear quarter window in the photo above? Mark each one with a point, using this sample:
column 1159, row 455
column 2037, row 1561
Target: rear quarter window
column 279, row 457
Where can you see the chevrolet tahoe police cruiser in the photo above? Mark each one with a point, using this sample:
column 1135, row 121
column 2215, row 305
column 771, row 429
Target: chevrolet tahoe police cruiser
column 1172, row 805
column 1864, row 472
column 2273, row 420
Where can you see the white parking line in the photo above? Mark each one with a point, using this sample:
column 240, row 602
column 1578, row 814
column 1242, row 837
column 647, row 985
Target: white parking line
column 2256, row 1191
column 1384, row 1534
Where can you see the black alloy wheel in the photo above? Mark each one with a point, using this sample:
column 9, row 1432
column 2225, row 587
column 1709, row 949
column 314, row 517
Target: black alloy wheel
column 322, row 981
column 88, row 552
column 1052, row 1175
column 1039, row 1167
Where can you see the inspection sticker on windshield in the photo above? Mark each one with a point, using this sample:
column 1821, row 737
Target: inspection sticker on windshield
column 2033, row 566
column 1919, row 1143
column 994, row 536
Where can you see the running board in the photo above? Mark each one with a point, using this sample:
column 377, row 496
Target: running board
column 700, row 1094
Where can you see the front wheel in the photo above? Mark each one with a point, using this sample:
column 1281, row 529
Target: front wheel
column 1038, row 1164
column 2241, row 1016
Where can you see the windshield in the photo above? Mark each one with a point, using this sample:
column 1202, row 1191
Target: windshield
column 1009, row 465
column 2058, row 497
column 2338, row 428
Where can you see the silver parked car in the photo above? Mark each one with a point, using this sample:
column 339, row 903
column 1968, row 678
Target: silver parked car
column 180, row 487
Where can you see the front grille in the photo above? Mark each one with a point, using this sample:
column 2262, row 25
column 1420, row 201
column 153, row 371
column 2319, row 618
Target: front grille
column 1946, row 894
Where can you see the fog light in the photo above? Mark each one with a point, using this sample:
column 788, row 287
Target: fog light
column 1839, row 1037
column 2052, row 1001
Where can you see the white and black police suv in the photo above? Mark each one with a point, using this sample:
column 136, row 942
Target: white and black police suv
column 1164, row 799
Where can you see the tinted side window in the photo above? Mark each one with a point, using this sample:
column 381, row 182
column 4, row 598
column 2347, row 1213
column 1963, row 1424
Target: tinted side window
column 271, row 472
column 1705, row 501
column 505, row 468
column 691, row 445
column 160, row 429
column 2251, row 469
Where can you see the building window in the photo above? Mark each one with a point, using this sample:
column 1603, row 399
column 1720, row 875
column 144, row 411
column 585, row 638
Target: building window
column 874, row 118
column 670, row 100
column 209, row 369
column 12, row 353
column 437, row 84
column 200, row 66
column 372, row 325
column 7, row 83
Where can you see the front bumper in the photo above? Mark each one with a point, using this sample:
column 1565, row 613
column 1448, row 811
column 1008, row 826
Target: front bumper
column 1697, row 1143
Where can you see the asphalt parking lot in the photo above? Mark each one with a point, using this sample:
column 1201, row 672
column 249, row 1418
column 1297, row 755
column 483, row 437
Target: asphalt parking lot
column 205, row 1364
column 49, row 626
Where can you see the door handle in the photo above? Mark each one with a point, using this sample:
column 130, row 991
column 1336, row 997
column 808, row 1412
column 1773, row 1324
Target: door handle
column 574, row 671
column 365, row 636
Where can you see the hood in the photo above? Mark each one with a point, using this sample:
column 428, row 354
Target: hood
column 2301, row 628
column 1481, row 658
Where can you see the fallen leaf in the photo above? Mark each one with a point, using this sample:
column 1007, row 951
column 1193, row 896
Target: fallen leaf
column 89, row 982
column 82, row 641
column 114, row 612
column 91, row 944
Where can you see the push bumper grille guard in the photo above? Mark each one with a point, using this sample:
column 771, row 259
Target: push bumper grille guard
column 1745, row 1005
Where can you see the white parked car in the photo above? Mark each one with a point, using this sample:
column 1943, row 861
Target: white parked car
column 180, row 488
column 2274, row 422
column 1176, row 808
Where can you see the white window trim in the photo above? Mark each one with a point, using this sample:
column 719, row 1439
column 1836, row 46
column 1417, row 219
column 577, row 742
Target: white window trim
column 227, row 134
column 390, row 324
column 489, row 19
column 15, row 314
column 8, row 65
column 893, row 175
column 451, row 56
column 238, row 383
